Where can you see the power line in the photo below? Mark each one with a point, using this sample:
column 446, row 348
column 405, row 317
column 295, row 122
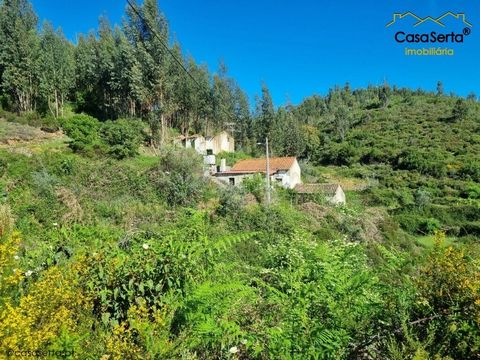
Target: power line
column 170, row 52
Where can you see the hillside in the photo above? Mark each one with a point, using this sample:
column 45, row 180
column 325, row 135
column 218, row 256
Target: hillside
column 116, row 242
column 425, row 161
column 145, row 258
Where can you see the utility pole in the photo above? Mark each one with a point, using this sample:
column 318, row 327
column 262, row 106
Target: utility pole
column 268, row 172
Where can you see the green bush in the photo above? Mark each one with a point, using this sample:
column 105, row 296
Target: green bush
column 255, row 185
column 409, row 222
column 122, row 137
column 429, row 225
column 472, row 191
column 83, row 130
column 179, row 178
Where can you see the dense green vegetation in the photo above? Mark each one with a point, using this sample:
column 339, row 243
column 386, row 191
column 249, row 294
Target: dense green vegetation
column 136, row 276
column 114, row 245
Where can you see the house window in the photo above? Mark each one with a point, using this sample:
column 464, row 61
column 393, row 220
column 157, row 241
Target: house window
column 231, row 181
column 209, row 152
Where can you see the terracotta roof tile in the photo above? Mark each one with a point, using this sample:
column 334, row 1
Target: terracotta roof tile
column 260, row 165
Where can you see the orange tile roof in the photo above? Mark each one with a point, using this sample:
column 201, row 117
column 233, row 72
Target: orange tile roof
column 260, row 165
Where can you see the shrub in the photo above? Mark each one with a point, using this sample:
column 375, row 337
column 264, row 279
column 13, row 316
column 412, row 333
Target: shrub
column 6, row 220
column 340, row 154
column 255, row 185
column 9, row 273
column 230, row 201
column 83, row 130
column 460, row 110
column 409, row 222
column 472, row 191
column 429, row 225
column 122, row 137
column 52, row 305
column 471, row 170
column 448, row 299
column 179, row 178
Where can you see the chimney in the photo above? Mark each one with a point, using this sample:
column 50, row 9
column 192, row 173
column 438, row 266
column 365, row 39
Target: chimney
column 223, row 165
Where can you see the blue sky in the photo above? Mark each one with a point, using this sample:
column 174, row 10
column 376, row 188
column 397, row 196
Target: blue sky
column 302, row 47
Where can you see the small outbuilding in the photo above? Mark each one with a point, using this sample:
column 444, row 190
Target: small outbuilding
column 333, row 193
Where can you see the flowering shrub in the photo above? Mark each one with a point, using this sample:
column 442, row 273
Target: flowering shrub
column 49, row 307
column 10, row 274
column 449, row 298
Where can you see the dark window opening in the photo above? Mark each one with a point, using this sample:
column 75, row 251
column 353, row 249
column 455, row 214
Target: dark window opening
column 231, row 181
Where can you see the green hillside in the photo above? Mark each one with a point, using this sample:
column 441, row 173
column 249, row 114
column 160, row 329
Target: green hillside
column 145, row 258
column 422, row 160
column 114, row 244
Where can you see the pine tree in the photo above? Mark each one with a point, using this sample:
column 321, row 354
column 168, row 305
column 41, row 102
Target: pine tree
column 440, row 90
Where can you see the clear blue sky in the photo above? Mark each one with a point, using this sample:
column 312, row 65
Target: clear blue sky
column 300, row 47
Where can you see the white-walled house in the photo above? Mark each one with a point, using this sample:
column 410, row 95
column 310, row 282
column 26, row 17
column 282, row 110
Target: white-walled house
column 284, row 171
column 210, row 145
column 222, row 142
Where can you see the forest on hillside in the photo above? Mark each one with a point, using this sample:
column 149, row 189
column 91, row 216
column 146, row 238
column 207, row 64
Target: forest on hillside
column 114, row 244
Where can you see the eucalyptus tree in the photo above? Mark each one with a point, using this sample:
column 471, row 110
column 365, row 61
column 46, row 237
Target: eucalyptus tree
column 126, row 77
column 265, row 114
column 19, row 47
column 149, row 35
column 86, row 74
column 202, row 97
column 223, row 99
column 105, row 64
column 243, row 125
column 56, row 68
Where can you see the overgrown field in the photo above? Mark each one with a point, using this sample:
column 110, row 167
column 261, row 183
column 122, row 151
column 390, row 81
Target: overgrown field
column 142, row 258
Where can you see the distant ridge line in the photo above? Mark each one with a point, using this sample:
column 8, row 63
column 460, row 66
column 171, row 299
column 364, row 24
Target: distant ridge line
column 420, row 20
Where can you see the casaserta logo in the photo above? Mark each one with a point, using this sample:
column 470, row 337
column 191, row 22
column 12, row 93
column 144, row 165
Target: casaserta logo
column 457, row 21
column 420, row 21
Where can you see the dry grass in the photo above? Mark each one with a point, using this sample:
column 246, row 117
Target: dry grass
column 68, row 198
column 14, row 137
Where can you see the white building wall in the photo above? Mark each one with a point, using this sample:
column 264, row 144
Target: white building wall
column 238, row 178
column 294, row 176
column 199, row 145
column 287, row 179
column 339, row 198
